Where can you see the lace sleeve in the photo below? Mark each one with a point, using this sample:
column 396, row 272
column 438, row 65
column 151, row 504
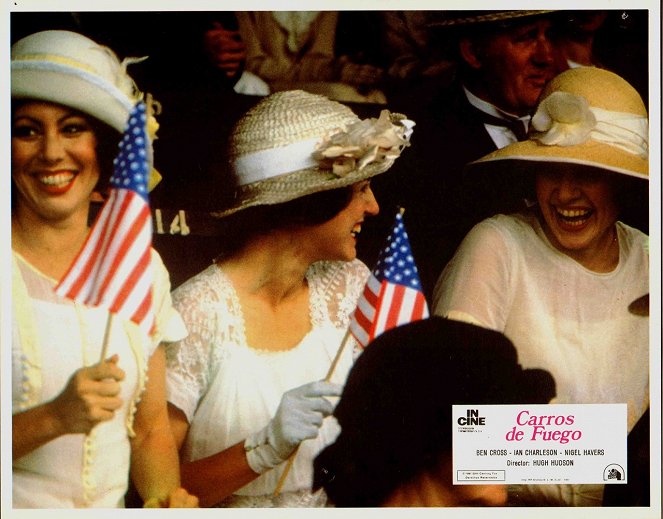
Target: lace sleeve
column 190, row 361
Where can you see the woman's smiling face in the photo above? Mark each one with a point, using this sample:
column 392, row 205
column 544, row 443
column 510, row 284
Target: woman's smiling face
column 336, row 239
column 54, row 159
column 578, row 208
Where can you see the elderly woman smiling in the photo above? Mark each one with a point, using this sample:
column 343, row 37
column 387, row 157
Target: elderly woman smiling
column 558, row 278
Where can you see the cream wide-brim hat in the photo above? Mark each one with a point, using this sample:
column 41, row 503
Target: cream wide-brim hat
column 586, row 116
column 70, row 69
column 294, row 143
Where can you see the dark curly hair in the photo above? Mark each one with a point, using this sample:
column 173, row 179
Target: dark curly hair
column 239, row 228
column 108, row 139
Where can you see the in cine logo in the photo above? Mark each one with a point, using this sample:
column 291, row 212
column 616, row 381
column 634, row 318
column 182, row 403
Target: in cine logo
column 472, row 418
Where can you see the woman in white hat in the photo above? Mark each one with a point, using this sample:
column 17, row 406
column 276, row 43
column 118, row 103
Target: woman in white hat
column 562, row 278
column 266, row 319
column 78, row 421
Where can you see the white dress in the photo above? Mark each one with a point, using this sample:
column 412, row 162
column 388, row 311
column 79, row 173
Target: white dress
column 561, row 316
column 51, row 338
column 228, row 389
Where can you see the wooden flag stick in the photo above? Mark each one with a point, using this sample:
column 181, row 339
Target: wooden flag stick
column 332, row 368
column 104, row 351
column 292, row 457
column 334, row 363
column 104, row 346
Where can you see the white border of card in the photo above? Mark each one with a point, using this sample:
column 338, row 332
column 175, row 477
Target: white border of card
column 653, row 511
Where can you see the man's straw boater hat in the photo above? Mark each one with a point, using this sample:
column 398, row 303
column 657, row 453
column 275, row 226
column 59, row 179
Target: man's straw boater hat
column 294, row 143
column 586, row 116
column 472, row 18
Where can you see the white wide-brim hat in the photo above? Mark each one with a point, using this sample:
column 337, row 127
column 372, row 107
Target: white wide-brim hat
column 294, row 143
column 586, row 116
column 70, row 69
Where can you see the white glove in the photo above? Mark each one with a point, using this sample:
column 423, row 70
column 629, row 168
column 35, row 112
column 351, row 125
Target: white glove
column 298, row 418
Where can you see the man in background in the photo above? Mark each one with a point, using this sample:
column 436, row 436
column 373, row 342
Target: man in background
column 503, row 59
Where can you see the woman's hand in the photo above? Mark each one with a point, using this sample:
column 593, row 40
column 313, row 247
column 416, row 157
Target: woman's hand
column 178, row 498
column 298, row 418
column 90, row 397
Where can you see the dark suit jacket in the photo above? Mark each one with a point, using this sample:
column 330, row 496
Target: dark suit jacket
column 428, row 180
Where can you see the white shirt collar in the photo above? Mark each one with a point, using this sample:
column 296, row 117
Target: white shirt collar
column 491, row 109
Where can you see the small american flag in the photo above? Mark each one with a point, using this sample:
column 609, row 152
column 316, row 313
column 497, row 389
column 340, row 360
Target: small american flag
column 113, row 268
column 392, row 295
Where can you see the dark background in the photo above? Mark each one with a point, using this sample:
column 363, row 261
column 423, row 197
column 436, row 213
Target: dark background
column 199, row 109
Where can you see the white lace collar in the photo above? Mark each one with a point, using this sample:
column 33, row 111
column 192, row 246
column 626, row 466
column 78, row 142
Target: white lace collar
column 317, row 304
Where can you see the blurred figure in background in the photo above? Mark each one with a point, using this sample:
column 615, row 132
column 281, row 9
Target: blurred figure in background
column 395, row 446
column 575, row 41
column 227, row 52
column 411, row 52
column 503, row 60
column 614, row 39
column 297, row 49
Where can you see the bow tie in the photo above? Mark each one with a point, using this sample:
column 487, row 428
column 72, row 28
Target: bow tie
column 515, row 125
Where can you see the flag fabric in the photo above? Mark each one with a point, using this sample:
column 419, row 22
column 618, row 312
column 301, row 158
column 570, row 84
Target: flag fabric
column 393, row 294
column 113, row 268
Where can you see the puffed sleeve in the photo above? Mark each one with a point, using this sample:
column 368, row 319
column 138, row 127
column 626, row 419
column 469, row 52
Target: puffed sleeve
column 188, row 361
column 474, row 286
column 169, row 324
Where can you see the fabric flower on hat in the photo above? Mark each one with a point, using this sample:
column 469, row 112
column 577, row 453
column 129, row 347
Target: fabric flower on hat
column 563, row 119
column 365, row 142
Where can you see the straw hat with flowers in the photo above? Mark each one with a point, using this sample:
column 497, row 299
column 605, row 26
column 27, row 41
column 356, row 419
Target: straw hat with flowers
column 294, row 143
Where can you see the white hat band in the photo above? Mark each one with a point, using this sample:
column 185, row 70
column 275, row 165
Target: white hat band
column 49, row 66
column 625, row 131
column 567, row 119
column 266, row 164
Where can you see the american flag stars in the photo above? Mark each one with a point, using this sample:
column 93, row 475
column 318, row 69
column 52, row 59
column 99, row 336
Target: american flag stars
column 131, row 166
column 396, row 263
column 392, row 295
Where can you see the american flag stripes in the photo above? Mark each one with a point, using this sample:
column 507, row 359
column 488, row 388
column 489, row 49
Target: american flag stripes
column 392, row 295
column 113, row 269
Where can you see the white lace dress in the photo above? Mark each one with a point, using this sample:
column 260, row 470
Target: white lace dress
column 228, row 390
